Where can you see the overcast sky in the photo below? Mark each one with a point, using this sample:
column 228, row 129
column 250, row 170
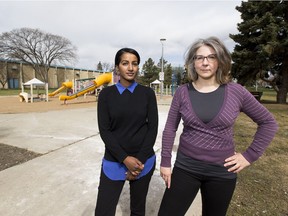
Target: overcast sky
column 100, row 28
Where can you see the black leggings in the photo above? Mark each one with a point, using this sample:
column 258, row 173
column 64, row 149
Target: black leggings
column 216, row 194
column 109, row 192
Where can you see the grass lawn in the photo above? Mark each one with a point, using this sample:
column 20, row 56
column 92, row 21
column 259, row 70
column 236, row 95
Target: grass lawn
column 262, row 188
column 9, row 92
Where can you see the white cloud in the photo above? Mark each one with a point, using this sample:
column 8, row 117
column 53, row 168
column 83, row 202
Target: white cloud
column 99, row 28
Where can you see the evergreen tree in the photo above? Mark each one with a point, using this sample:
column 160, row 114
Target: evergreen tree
column 180, row 74
column 178, row 78
column 167, row 75
column 99, row 66
column 261, row 49
column 184, row 78
column 150, row 72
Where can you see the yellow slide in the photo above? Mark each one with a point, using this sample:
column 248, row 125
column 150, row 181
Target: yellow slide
column 64, row 86
column 100, row 80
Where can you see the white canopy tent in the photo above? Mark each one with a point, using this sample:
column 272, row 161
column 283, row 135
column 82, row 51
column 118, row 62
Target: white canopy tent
column 156, row 83
column 33, row 83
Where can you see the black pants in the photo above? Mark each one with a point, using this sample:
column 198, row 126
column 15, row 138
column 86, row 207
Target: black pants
column 109, row 192
column 216, row 194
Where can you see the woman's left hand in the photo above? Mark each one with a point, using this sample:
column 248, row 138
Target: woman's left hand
column 133, row 165
column 130, row 176
column 237, row 162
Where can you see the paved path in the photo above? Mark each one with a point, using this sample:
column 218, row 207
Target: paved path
column 63, row 181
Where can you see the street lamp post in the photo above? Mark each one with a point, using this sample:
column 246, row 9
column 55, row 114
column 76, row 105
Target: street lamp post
column 161, row 75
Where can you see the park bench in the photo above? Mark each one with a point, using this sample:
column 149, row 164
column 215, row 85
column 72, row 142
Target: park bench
column 257, row 94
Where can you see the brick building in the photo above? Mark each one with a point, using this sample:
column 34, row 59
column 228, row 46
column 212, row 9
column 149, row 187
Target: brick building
column 14, row 73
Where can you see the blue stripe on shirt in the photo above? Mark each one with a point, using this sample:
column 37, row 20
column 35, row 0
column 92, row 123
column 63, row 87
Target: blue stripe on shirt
column 117, row 171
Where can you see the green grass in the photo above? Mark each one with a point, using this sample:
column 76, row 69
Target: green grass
column 8, row 92
column 262, row 188
column 12, row 92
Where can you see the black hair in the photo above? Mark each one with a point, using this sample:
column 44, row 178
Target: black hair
column 125, row 50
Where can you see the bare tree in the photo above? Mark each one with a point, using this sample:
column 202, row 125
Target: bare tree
column 107, row 66
column 37, row 48
column 3, row 73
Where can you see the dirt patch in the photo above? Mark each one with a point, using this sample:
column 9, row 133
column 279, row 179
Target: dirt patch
column 12, row 104
column 11, row 156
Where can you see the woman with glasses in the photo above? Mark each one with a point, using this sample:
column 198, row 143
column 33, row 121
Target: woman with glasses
column 206, row 159
column 128, row 125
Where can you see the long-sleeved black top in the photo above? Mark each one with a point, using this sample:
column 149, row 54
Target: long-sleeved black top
column 128, row 122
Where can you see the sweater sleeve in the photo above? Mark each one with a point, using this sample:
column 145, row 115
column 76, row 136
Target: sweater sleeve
column 152, row 121
column 170, row 129
column 266, row 126
column 104, row 124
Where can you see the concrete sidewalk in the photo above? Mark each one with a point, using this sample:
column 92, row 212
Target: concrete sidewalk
column 64, row 180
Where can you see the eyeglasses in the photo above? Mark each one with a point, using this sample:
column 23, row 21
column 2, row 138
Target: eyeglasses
column 210, row 58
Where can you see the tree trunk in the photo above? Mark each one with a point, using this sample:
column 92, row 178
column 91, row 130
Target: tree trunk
column 283, row 90
column 281, row 96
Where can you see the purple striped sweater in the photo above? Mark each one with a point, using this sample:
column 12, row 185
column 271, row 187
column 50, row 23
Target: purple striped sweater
column 213, row 142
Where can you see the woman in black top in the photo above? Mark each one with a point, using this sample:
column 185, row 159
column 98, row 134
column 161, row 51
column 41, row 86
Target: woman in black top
column 128, row 125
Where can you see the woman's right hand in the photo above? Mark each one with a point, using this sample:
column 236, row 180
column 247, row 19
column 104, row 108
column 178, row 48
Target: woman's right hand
column 165, row 173
column 133, row 165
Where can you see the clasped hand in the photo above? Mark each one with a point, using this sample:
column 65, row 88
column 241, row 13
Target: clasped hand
column 134, row 167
